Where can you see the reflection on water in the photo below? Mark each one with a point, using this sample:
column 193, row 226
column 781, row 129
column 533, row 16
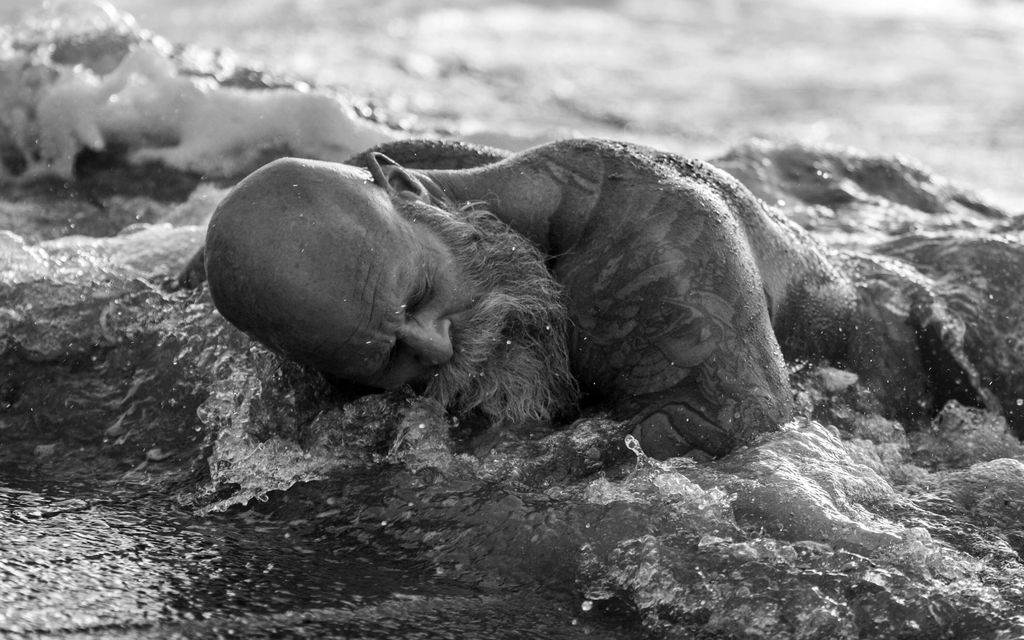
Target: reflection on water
column 121, row 562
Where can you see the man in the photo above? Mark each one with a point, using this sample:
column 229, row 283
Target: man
column 667, row 290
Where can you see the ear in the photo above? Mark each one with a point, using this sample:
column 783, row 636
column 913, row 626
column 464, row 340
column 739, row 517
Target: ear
column 393, row 178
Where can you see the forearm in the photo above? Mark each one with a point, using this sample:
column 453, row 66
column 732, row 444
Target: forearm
column 547, row 193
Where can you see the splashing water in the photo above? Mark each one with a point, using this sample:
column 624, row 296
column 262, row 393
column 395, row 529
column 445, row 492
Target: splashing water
column 161, row 475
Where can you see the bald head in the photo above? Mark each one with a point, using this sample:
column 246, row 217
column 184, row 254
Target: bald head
column 311, row 258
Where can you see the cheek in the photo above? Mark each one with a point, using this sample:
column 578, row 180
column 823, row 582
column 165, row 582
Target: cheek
column 454, row 296
column 348, row 343
column 402, row 368
column 345, row 361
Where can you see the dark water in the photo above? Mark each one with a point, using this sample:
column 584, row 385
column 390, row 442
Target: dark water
column 107, row 561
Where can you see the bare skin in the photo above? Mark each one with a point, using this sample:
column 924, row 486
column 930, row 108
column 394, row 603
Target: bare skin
column 683, row 290
column 674, row 274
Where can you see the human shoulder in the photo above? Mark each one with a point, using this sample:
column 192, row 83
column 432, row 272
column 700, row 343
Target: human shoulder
column 592, row 148
column 434, row 154
column 619, row 160
column 586, row 164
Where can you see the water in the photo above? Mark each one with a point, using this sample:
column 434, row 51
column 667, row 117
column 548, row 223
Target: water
column 162, row 476
column 111, row 562
column 936, row 81
column 180, row 480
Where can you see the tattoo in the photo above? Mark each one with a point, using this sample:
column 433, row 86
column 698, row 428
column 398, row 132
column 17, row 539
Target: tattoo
column 670, row 314
column 569, row 175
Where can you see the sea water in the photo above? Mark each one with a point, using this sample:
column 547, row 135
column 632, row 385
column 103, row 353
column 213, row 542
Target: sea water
column 163, row 476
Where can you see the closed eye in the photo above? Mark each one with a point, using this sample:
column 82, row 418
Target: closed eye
column 418, row 297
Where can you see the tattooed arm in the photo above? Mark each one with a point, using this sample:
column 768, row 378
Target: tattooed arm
column 671, row 320
column 553, row 195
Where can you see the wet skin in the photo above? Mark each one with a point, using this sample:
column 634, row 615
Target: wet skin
column 683, row 290
column 333, row 276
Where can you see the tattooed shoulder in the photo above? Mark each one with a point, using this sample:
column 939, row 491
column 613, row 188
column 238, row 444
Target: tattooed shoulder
column 666, row 298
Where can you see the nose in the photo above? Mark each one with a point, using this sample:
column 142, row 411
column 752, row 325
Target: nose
column 430, row 341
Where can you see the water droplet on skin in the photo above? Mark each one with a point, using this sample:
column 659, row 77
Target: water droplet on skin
column 1020, row 402
column 634, row 445
column 587, row 605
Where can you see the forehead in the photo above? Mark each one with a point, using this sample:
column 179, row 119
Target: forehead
column 312, row 242
column 333, row 220
column 350, row 172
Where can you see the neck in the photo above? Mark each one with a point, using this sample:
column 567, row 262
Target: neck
column 439, row 187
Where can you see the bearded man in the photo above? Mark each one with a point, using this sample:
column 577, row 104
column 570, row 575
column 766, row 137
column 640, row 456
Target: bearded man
column 657, row 286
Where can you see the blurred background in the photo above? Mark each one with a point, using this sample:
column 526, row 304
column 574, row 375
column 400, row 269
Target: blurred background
column 940, row 81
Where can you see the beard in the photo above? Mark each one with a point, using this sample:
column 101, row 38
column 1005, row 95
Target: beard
column 511, row 357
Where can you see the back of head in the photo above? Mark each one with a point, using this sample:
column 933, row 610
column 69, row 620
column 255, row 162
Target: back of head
column 286, row 261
